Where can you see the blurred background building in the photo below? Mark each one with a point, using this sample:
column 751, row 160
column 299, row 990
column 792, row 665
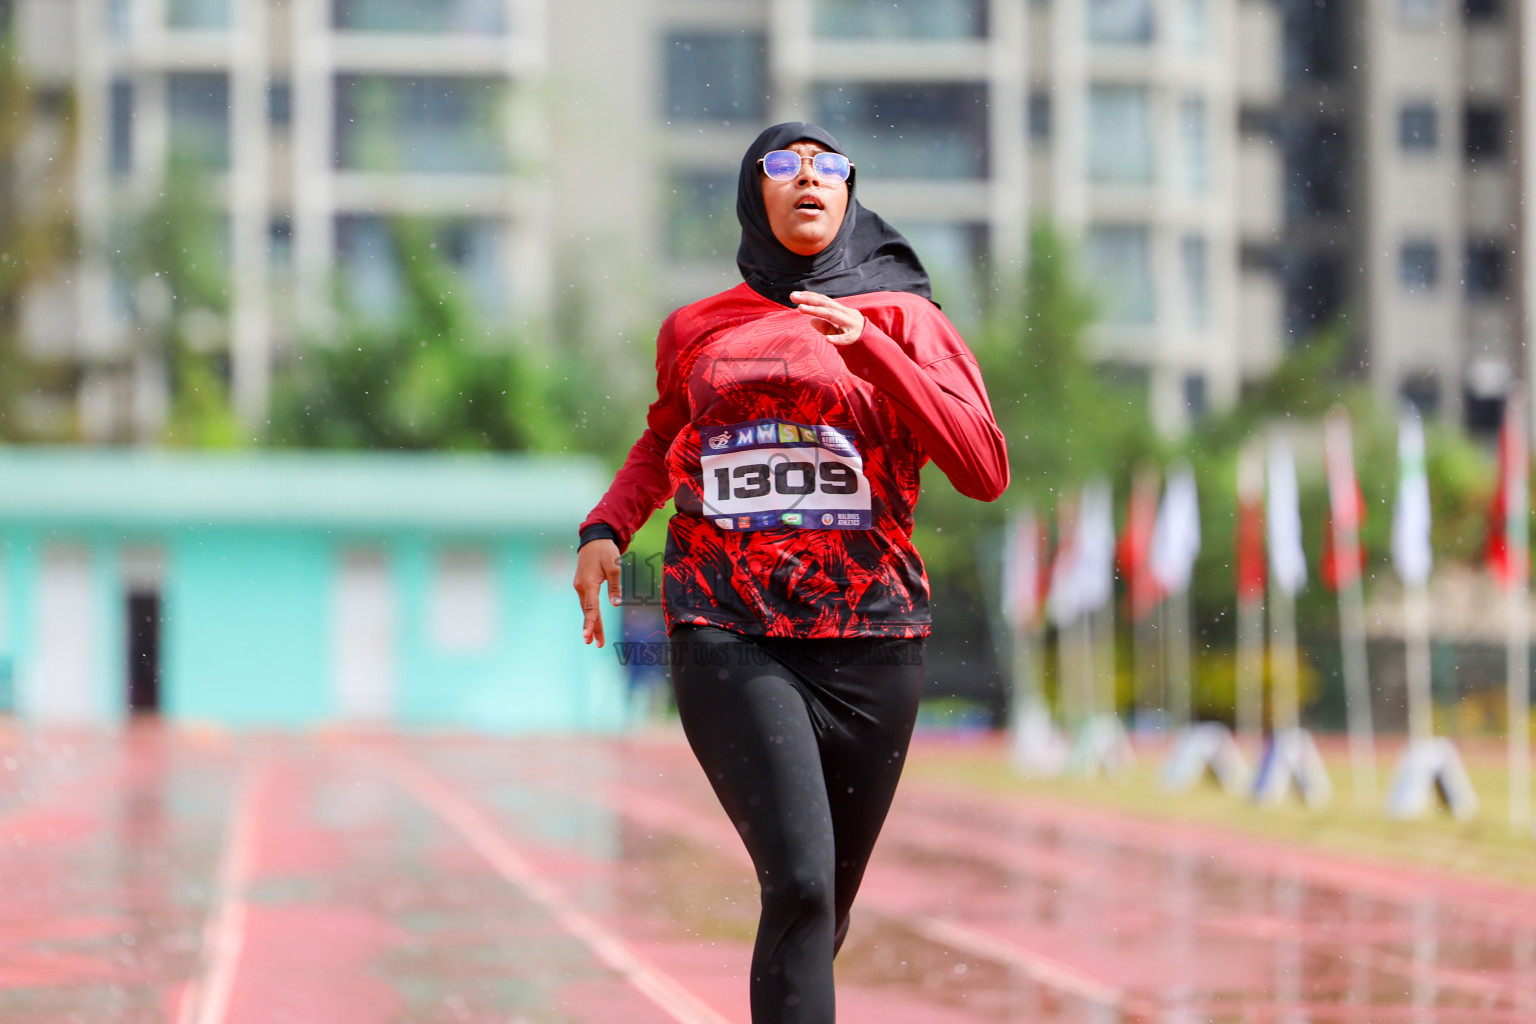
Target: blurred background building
column 224, row 196
column 293, row 588
column 592, row 146
column 1402, row 198
column 1235, row 173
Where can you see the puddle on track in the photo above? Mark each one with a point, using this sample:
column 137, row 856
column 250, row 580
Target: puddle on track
column 367, row 906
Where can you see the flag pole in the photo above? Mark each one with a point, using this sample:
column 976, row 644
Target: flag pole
column 1030, row 731
column 1346, row 547
column 1517, row 544
column 1180, row 699
column 1428, row 766
column 1285, row 698
column 1421, row 722
column 1249, row 699
column 1107, row 660
column 1291, row 759
column 1141, row 595
column 1175, row 546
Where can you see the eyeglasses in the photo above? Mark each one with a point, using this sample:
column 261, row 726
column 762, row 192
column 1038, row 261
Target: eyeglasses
column 784, row 164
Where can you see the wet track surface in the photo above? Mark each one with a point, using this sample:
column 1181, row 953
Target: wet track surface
column 165, row 877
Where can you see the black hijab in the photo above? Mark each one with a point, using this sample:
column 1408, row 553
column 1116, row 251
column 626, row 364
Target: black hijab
column 868, row 255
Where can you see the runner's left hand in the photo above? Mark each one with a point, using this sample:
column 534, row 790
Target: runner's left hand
column 841, row 324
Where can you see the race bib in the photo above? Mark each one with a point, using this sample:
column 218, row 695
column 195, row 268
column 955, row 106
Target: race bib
column 769, row 473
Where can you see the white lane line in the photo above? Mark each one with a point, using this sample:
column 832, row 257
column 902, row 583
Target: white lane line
column 1042, row 969
column 668, row 816
column 666, row 992
column 205, row 1000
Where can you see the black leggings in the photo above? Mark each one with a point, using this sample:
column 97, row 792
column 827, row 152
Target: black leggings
column 803, row 741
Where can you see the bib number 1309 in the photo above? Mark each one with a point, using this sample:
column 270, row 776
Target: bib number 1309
column 768, row 473
column 757, row 479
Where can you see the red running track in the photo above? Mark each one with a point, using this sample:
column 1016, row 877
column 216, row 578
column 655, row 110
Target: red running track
column 156, row 876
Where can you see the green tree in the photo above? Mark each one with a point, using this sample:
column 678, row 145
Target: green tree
column 37, row 234
column 432, row 376
column 175, row 255
column 1064, row 420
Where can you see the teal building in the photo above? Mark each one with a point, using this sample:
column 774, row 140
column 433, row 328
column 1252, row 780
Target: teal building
column 287, row 589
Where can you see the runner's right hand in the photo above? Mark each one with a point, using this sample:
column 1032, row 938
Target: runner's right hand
column 597, row 561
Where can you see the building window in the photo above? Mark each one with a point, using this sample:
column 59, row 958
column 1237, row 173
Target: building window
column 1419, row 265
column 1318, row 170
column 1484, row 390
column 900, row 131
column 701, row 222
column 478, row 17
column 462, row 614
column 280, row 243
column 197, row 14
column 1484, row 11
column 1421, row 389
column 1120, row 264
column 1485, row 136
column 1195, row 159
column 1258, row 122
column 716, row 76
column 1120, row 21
column 369, row 267
column 1195, row 263
column 1194, row 25
column 1314, row 285
column 1120, row 135
column 122, row 126
column 1417, row 126
column 1194, row 395
column 953, row 255
column 1258, row 258
column 119, row 18
column 901, row 19
column 1485, row 273
column 1040, row 115
column 369, row 258
column 199, row 118
column 279, row 102
column 419, row 125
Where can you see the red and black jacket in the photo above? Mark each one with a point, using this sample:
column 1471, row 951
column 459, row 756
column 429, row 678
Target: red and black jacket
column 908, row 390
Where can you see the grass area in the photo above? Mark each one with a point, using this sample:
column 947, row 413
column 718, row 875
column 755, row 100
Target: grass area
column 1483, row 847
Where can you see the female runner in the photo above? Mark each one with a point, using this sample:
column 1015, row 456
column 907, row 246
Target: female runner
column 789, row 428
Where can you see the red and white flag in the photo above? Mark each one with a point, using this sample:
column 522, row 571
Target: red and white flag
column 1134, row 553
column 1083, row 573
column 1282, row 520
column 1249, row 546
column 1510, row 563
column 1343, row 557
column 1412, row 555
column 1062, row 600
column 1024, row 568
column 1176, row 533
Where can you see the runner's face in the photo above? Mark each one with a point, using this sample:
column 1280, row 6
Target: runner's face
column 806, row 211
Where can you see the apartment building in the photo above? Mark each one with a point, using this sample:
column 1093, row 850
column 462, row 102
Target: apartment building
column 583, row 155
column 1118, row 120
column 1404, row 201
column 311, row 121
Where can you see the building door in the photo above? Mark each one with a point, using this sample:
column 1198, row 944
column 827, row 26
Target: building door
column 59, row 687
column 143, row 651
column 364, row 638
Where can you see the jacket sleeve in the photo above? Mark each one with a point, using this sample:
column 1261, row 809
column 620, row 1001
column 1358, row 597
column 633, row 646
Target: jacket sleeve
column 642, row 485
column 932, row 381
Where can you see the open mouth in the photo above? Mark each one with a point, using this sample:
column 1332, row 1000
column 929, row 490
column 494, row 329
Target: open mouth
column 809, row 204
